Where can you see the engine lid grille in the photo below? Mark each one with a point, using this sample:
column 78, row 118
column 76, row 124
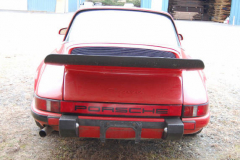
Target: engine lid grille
column 126, row 52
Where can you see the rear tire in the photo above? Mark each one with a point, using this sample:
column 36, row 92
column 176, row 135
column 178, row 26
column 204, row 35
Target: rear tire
column 39, row 125
column 194, row 134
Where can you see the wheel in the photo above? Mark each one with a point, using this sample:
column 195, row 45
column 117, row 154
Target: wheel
column 39, row 125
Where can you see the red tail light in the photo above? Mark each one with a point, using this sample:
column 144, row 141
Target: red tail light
column 47, row 104
column 195, row 110
column 40, row 104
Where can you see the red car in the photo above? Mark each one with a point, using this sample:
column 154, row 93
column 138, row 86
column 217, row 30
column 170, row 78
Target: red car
column 120, row 73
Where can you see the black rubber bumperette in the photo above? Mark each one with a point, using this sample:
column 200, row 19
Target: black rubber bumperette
column 144, row 62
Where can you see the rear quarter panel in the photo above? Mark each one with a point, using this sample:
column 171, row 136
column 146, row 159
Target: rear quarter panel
column 50, row 82
column 194, row 88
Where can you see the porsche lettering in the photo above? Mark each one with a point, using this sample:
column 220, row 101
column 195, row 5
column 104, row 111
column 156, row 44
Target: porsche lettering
column 121, row 110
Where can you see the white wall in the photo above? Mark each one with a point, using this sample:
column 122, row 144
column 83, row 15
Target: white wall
column 156, row 5
column 13, row 4
column 61, row 6
column 66, row 6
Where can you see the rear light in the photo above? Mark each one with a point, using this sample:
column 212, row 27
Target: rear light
column 47, row 104
column 195, row 110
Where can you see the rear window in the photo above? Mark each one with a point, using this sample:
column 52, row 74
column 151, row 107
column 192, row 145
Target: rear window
column 122, row 26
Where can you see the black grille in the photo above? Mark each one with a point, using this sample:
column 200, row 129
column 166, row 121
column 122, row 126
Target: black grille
column 128, row 52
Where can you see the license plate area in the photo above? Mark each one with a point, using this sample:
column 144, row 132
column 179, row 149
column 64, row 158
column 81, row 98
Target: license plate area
column 136, row 126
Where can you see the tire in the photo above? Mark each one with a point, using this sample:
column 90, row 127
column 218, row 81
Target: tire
column 194, row 134
column 39, row 125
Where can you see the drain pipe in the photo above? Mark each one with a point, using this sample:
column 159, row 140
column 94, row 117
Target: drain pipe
column 45, row 131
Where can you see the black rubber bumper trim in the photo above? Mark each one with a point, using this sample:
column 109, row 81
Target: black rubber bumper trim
column 136, row 126
column 174, row 129
column 57, row 59
column 68, row 126
column 39, row 117
column 90, row 122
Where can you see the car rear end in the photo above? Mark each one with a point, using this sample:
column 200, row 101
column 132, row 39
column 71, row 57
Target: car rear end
column 120, row 91
column 103, row 98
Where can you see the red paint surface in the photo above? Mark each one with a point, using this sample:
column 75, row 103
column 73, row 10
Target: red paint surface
column 50, row 83
column 189, row 126
column 89, row 131
column 53, row 121
column 200, row 123
column 152, row 133
column 118, row 133
column 194, row 90
column 123, row 85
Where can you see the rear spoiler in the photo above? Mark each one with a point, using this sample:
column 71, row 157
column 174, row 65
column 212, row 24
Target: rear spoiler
column 144, row 62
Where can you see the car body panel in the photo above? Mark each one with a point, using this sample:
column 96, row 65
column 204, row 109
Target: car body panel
column 51, row 82
column 123, row 85
column 194, row 90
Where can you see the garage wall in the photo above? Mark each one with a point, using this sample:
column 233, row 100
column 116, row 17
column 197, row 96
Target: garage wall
column 42, row 5
column 160, row 5
column 156, row 5
column 146, row 3
column 165, row 5
column 13, row 4
column 235, row 12
column 73, row 5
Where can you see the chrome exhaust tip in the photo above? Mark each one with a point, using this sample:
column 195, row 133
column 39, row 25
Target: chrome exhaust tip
column 45, row 131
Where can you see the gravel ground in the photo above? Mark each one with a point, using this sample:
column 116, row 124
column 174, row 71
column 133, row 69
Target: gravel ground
column 26, row 38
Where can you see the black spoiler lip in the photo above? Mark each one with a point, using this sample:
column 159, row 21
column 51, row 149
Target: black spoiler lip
column 142, row 62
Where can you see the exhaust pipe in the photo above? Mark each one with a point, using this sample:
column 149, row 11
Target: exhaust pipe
column 45, row 131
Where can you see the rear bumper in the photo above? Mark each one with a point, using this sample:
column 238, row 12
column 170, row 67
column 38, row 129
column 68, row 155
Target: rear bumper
column 119, row 128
